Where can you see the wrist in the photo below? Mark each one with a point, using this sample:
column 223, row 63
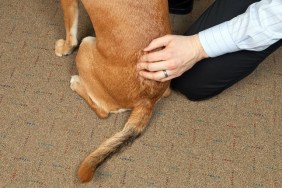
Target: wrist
column 217, row 40
column 200, row 53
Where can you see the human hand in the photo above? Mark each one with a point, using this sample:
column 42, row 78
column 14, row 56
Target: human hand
column 179, row 54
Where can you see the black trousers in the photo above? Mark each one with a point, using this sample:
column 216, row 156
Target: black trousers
column 211, row 76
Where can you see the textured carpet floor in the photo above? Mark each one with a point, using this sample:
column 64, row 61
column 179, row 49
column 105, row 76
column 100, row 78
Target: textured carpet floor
column 232, row 140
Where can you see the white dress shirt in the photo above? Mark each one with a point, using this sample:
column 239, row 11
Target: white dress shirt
column 256, row 29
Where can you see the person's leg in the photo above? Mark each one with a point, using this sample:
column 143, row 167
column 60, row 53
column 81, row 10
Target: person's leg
column 180, row 6
column 211, row 76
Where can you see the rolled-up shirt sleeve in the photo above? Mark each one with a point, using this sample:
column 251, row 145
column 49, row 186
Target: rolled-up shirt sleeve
column 256, row 29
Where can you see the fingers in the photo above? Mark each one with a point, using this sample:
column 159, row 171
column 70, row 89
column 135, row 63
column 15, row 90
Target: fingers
column 154, row 71
column 151, row 65
column 154, row 56
column 159, row 55
column 158, row 42
column 157, row 66
column 157, row 76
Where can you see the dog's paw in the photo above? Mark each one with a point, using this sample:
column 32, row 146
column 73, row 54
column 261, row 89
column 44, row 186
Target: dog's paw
column 63, row 48
column 74, row 82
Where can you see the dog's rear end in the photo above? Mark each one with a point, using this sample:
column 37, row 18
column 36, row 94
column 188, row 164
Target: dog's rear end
column 108, row 80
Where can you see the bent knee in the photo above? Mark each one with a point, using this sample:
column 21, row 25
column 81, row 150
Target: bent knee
column 196, row 92
column 86, row 46
column 88, row 39
column 87, row 43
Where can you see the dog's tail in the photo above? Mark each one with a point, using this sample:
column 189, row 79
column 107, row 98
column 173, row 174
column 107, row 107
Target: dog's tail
column 134, row 126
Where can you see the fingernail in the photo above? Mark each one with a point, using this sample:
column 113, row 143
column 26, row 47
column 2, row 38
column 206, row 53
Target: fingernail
column 146, row 49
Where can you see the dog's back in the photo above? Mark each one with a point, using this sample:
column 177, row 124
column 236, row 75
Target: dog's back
column 124, row 27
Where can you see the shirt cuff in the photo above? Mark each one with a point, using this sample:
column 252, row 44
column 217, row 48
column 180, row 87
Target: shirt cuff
column 217, row 40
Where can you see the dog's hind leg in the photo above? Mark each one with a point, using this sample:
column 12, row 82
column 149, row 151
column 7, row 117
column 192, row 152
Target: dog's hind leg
column 65, row 47
column 79, row 88
column 84, row 62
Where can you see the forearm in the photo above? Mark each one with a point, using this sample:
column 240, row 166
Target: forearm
column 256, row 29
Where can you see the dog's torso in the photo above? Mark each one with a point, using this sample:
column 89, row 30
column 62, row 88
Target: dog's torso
column 123, row 28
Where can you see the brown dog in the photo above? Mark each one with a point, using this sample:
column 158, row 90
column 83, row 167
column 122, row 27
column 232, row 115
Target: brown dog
column 108, row 80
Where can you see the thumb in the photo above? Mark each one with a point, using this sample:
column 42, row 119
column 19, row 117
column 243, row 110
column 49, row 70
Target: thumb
column 158, row 43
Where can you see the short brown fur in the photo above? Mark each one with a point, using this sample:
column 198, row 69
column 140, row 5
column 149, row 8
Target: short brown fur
column 108, row 80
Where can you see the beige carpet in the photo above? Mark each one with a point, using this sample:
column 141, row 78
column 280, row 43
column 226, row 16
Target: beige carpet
column 233, row 140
